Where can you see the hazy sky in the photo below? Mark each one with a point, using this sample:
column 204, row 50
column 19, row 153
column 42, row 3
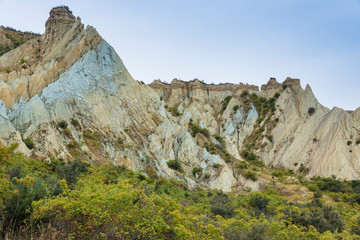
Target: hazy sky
column 217, row 41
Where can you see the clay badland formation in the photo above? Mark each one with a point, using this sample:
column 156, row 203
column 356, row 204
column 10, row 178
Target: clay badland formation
column 67, row 94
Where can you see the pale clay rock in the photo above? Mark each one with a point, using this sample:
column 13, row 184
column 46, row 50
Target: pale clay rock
column 79, row 76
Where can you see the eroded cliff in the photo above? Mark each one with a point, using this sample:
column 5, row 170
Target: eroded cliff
column 74, row 98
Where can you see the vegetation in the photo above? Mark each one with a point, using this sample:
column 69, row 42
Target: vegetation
column 311, row 111
column 75, row 122
column 197, row 171
column 77, row 200
column 175, row 165
column 197, row 129
column 174, row 111
column 225, row 103
column 62, row 124
column 15, row 38
column 250, row 175
column 29, row 143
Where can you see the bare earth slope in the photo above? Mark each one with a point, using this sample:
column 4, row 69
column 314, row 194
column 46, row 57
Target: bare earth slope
column 74, row 98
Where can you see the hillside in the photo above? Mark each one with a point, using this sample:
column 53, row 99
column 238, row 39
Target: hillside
column 68, row 104
column 11, row 38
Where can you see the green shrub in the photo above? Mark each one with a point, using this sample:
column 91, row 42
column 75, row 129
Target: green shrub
column 75, row 122
column 219, row 138
column 311, row 111
column 175, row 165
column 197, row 170
column 236, row 107
column 259, row 204
column 269, row 137
column 221, row 205
column 225, row 103
column 22, row 61
column 197, row 129
column 18, row 207
column 250, row 156
column 71, row 171
column 73, row 144
column 357, row 142
column 174, row 111
column 250, row 175
column 29, row 143
column 242, row 165
column 62, row 124
column 216, row 165
column 93, row 135
column 244, row 94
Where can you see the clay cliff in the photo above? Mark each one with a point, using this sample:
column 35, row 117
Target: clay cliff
column 67, row 94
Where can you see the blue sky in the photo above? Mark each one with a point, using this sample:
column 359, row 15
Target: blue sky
column 223, row 40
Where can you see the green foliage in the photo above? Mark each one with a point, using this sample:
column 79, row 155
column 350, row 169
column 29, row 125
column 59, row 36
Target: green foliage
column 126, row 210
column 236, row 107
column 269, row 137
column 175, row 165
column 216, row 165
column 62, row 124
column 357, row 141
column 311, row 111
column 29, row 143
column 282, row 172
column 197, row 170
column 75, row 122
column 16, row 38
column 259, row 204
column 71, row 171
column 250, row 175
column 92, row 135
column 250, row 156
column 242, row 165
column 222, row 205
column 83, row 201
column 225, row 103
column 244, row 94
column 197, row 129
column 174, row 111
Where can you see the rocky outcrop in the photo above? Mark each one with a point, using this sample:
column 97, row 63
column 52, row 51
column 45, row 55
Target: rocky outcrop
column 74, row 98
column 106, row 116
column 40, row 61
column 323, row 142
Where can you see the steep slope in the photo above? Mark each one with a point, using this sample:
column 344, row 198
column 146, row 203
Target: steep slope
column 288, row 135
column 75, row 99
column 80, row 102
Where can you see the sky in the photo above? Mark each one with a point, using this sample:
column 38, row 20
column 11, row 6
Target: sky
column 220, row 41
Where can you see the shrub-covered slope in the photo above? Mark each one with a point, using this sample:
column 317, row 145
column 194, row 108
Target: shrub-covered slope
column 60, row 200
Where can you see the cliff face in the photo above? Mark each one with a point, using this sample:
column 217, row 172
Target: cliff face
column 74, row 98
column 319, row 143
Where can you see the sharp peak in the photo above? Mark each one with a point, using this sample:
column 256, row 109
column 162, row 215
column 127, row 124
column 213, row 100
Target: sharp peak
column 61, row 8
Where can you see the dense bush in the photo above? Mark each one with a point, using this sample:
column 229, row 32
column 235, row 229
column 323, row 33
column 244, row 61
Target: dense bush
column 175, row 165
column 225, row 103
column 197, row 170
column 222, row 205
column 62, row 124
column 197, row 129
column 29, row 143
column 250, row 175
column 75, row 200
column 311, row 111
column 121, row 211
